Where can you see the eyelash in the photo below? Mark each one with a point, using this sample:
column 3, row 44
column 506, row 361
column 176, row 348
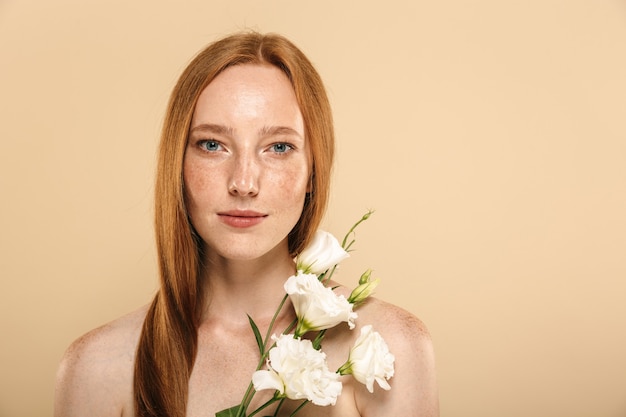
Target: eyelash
column 287, row 146
column 202, row 144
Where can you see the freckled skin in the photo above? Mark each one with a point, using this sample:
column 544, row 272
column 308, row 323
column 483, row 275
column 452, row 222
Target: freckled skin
column 95, row 377
column 247, row 154
column 246, row 173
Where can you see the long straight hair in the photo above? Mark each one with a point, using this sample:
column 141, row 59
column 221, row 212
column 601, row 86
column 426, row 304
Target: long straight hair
column 168, row 343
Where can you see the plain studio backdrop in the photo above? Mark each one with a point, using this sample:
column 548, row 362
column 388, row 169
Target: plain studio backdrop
column 489, row 136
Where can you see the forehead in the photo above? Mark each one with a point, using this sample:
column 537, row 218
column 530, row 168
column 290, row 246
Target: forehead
column 251, row 90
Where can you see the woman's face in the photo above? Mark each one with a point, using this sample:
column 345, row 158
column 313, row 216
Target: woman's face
column 247, row 163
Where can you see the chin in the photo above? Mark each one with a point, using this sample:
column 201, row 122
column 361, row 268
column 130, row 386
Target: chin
column 250, row 250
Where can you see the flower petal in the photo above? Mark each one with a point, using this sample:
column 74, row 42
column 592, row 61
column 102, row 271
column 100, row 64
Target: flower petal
column 267, row 380
column 302, row 370
column 317, row 306
column 370, row 360
column 321, row 254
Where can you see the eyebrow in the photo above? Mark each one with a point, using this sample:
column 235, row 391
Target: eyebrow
column 229, row 131
column 213, row 128
column 279, row 130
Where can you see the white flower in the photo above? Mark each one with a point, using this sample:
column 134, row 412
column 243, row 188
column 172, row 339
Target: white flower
column 322, row 253
column 317, row 307
column 370, row 360
column 298, row 371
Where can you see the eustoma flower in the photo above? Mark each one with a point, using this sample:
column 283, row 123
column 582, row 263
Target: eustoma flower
column 317, row 307
column 298, row 371
column 322, row 253
column 296, row 367
column 370, row 360
column 365, row 289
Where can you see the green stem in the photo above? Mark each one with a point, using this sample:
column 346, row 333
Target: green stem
column 329, row 274
column 291, row 326
column 305, row 402
column 247, row 398
column 269, row 329
column 269, row 402
column 317, row 343
column 346, row 368
column 345, row 239
column 278, row 407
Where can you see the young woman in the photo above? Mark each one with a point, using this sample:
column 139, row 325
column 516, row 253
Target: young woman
column 242, row 184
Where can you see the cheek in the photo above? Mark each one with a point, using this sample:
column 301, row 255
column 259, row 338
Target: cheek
column 290, row 184
column 196, row 183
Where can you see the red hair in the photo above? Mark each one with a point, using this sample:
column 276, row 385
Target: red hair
column 168, row 343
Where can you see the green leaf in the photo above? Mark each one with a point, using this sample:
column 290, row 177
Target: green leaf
column 229, row 412
column 257, row 335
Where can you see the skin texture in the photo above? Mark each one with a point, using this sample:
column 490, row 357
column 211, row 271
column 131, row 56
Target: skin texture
column 247, row 164
column 247, row 135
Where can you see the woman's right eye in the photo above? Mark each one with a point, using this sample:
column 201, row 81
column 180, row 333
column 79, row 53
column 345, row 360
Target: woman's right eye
column 209, row 145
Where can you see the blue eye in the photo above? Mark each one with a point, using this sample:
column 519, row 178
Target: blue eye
column 280, row 147
column 210, row 145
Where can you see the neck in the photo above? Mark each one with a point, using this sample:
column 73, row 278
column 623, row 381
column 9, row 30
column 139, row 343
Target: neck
column 236, row 289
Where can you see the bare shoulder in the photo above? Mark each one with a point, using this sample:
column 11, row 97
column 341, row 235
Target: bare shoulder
column 96, row 373
column 413, row 386
column 395, row 322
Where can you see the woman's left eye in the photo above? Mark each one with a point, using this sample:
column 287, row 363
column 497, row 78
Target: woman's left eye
column 209, row 145
column 281, row 147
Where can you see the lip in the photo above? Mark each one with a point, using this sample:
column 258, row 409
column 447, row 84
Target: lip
column 241, row 218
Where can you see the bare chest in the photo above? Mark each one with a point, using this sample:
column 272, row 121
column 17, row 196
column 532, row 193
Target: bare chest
column 222, row 374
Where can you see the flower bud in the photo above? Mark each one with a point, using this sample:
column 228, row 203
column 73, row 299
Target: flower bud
column 365, row 277
column 360, row 293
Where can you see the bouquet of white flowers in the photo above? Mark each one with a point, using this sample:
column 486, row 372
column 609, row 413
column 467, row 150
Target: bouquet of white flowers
column 296, row 368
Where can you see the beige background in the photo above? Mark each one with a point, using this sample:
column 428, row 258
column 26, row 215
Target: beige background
column 488, row 135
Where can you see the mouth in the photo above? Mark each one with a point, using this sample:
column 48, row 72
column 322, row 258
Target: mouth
column 241, row 218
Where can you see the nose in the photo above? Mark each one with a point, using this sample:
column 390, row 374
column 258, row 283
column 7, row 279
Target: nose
column 244, row 177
